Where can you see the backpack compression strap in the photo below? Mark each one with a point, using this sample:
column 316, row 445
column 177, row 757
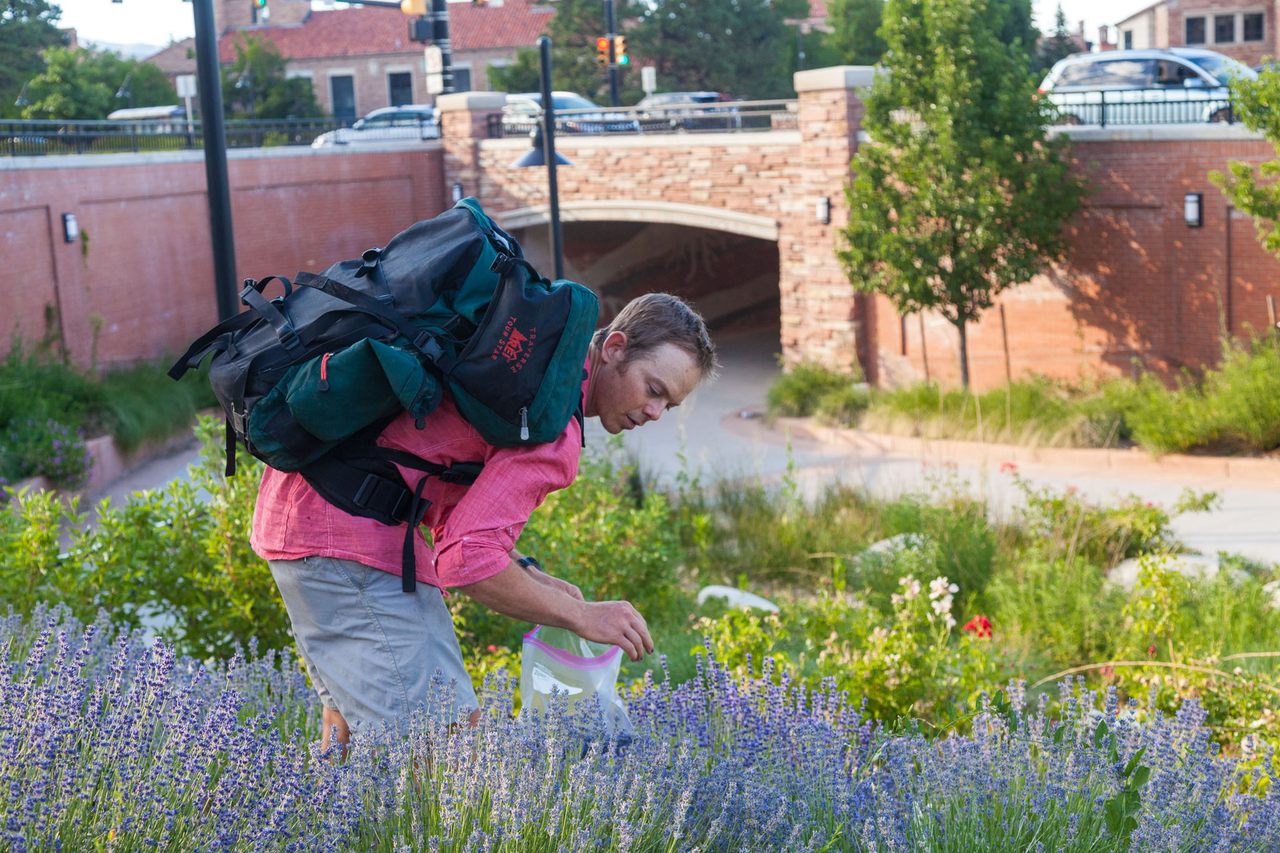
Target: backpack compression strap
column 362, row 480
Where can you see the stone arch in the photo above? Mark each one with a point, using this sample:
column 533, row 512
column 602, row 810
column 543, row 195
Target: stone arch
column 654, row 212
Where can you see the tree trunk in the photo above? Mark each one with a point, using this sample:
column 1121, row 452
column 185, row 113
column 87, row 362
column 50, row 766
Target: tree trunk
column 964, row 354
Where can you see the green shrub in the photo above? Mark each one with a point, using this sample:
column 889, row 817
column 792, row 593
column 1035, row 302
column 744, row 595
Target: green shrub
column 143, row 404
column 31, row 447
column 799, row 391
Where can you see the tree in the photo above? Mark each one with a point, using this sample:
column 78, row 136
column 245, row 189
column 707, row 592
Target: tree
column 81, row 84
column 958, row 194
column 255, row 84
column 27, row 29
column 855, row 26
column 1057, row 46
column 743, row 47
column 573, row 31
column 1251, row 187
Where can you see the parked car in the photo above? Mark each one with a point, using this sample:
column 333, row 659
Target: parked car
column 687, row 111
column 1173, row 86
column 411, row 121
column 574, row 114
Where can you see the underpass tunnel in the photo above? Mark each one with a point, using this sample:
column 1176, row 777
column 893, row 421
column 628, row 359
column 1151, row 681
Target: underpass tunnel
column 730, row 278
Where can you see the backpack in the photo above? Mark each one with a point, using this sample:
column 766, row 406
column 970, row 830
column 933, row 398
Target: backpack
column 309, row 379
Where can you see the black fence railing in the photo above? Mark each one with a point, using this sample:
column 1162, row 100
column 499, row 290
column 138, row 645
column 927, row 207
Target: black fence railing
column 717, row 117
column 1142, row 107
column 29, row 138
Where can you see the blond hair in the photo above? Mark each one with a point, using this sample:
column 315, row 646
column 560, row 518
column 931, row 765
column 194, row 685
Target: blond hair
column 655, row 319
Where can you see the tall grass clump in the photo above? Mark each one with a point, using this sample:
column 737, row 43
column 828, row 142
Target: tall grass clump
column 808, row 389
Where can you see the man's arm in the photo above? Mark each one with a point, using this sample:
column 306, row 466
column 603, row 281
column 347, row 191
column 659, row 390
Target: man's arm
column 515, row 593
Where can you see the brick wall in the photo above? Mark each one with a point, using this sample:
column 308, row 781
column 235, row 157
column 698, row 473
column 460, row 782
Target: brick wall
column 1140, row 288
column 139, row 282
column 1250, row 53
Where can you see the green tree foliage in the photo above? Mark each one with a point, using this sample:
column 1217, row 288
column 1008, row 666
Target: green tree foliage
column 1251, row 187
column 958, row 194
column 573, row 31
column 855, row 30
column 80, row 84
column 27, row 29
column 255, row 85
column 1057, row 46
column 741, row 47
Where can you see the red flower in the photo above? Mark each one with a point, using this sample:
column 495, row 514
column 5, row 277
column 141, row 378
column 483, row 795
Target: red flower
column 1151, row 650
column 491, row 649
column 979, row 626
column 1008, row 468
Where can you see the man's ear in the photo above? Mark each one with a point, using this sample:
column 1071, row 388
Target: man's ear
column 614, row 348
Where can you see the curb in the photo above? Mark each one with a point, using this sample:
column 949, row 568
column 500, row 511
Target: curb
column 1129, row 461
column 110, row 463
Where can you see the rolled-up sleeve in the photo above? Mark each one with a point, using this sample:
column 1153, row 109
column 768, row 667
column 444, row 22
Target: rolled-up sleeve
column 475, row 538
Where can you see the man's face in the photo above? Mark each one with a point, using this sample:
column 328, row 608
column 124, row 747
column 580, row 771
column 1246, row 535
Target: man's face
column 628, row 395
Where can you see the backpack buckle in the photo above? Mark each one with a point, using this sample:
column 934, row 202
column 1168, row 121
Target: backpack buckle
column 426, row 343
column 462, row 473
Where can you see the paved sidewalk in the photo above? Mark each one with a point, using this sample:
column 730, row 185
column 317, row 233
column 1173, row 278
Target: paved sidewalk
column 717, row 441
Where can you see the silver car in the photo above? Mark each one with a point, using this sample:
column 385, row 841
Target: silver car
column 1174, row 86
column 411, row 121
column 574, row 114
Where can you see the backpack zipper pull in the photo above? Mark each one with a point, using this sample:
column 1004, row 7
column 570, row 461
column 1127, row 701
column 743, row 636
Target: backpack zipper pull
column 324, row 371
column 524, row 423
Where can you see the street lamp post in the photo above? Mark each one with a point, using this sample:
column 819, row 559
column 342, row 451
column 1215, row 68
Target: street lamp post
column 544, row 151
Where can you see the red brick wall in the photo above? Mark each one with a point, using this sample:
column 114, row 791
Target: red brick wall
column 1139, row 286
column 142, row 272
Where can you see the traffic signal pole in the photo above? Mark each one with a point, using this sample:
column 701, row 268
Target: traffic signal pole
column 214, row 132
column 611, row 25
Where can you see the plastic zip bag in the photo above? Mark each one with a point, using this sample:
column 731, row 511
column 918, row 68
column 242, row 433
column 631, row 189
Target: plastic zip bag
column 556, row 661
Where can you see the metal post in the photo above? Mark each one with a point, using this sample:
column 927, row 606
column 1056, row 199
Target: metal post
column 549, row 153
column 215, row 160
column 611, row 25
column 440, row 38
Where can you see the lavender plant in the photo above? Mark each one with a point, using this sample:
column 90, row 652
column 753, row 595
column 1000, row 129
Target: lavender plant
column 112, row 743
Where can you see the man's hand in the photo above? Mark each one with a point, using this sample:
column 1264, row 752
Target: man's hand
column 616, row 623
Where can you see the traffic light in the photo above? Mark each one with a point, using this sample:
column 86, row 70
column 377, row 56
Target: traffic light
column 420, row 29
column 620, row 50
column 261, row 4
column 416, row 8
column 602, row 51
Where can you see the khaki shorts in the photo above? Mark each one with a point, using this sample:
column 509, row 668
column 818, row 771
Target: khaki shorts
column 374, row 652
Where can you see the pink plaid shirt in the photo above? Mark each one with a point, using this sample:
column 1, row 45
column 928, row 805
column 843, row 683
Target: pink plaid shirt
column 474, row 527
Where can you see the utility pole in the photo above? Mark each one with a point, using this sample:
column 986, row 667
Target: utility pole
column 440, row 38
column 612, row 26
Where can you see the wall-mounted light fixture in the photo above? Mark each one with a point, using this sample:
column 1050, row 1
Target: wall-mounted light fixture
column 456, row 191
column 70, row 228
column 824, row 210
column 1193, row 209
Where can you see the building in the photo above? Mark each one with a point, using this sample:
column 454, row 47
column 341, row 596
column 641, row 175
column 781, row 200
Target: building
column 1242, row 29
column 361, row 58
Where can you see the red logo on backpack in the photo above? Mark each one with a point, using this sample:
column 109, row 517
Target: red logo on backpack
column 514, row 345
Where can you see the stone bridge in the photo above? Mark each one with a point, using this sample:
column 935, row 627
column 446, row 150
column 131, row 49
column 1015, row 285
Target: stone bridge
column 730, row 219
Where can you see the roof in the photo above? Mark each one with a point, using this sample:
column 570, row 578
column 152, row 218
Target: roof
column 1141, row 12
column 178, row 58
column 368, row 30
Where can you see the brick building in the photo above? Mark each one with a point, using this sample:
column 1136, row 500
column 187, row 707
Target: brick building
column 361, row 58
column 1243, row 29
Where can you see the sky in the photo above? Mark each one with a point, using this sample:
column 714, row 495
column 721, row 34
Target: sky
column 156, row 22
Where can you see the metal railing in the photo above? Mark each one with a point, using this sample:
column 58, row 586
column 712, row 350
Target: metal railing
column 1141, row 107
column 718, row 117
column 28, row 138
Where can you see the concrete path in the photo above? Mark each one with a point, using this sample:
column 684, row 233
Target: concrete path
column 715, row 440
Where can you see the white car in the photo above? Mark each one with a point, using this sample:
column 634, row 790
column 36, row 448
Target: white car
column 411, row 121
column 1167, row 86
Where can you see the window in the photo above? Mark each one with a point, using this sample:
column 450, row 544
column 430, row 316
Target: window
column 1224, row 29
column 1128, row 73
column 1170, row 73
column 1195, row 30
column 461, row 79
column 400, row 88
column 1253, row 27
column 1128, row 39
column 342, row 93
